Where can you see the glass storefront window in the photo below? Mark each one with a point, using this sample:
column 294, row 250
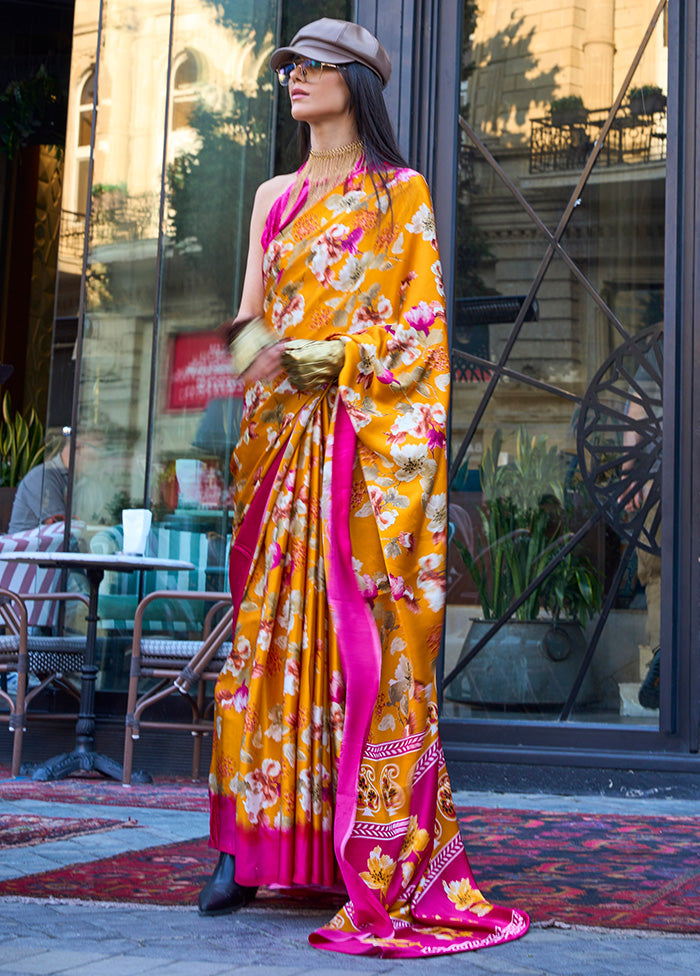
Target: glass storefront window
column 186, row 126
column 554, row 575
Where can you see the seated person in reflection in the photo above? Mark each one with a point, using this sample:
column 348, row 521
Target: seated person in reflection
column 41, row 494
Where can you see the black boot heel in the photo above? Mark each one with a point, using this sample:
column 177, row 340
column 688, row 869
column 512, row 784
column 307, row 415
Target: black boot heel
column 222, row 894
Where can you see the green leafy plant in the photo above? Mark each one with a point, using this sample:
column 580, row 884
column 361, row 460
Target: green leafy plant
column 528, row 504
column 646, row 99
column 21, row 443
column 567, row 110
column 32, row 110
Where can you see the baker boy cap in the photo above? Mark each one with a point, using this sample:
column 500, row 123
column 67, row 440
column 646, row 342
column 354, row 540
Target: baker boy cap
column 337, row 42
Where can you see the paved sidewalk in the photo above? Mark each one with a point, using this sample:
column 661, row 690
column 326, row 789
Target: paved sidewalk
column 92, row 939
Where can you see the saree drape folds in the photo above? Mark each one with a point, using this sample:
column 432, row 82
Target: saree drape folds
column 327, row 764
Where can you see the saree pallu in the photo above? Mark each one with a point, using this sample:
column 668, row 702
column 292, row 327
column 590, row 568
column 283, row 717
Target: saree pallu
column 327, row 766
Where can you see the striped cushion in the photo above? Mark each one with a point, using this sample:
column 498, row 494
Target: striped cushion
column 26, row 578
column 119, row 591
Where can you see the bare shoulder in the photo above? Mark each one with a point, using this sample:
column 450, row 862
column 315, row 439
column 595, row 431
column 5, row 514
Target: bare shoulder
column 270, row 190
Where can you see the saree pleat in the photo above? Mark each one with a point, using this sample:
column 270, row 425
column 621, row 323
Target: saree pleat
column 327, row 766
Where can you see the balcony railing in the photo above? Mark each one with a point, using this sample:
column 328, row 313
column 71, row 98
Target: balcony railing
column 70, row 244
column 632, row 140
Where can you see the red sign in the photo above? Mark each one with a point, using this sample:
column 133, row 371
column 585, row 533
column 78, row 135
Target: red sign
column 200, row 371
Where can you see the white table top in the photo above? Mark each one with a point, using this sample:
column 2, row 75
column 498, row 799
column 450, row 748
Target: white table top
column 103, row 560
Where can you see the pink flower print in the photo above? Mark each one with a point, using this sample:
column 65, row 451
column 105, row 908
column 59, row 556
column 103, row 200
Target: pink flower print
column 337, row 687
column 403, row 287
column 406, row 540
column 240, row 698
column 368, row 587
column 404, row 342
column 436, row 439
column 431, row 580
column 276, row 556
column 421, row 317
column 286, row 316
column 385, row 517
column 400, row 591
column 368, row 315
column 262, row 788
column 239, row 656
column 265, row 780
column 384, row 375
column 351, row 241
column 337, row 717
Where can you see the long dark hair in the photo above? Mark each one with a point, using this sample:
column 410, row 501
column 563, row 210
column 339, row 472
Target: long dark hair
column 374, row 127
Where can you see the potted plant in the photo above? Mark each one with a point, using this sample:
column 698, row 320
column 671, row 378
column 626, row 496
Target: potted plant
column 21, row 448
column 527, row 513
column 568, row 110
column 646, row 100
column 32, row 110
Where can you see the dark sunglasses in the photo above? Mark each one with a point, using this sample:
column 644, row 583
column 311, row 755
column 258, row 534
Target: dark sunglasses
column 309, row 70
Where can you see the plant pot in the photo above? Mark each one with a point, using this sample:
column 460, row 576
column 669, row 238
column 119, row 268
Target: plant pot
column 570, row 116
column 647, row 104
column 528, row 662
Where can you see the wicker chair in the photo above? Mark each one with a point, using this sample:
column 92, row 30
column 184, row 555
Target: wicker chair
column 176, row 665
column 50, row 658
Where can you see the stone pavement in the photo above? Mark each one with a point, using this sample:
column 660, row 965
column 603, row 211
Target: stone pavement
column 96, row 939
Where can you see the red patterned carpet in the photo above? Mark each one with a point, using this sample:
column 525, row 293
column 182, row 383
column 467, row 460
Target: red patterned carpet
column 603, row 870
column 176, row 794
column 25, row 830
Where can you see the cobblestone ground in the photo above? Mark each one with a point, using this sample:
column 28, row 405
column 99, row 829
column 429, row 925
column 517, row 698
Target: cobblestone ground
column 96, row 939
column 46, row 938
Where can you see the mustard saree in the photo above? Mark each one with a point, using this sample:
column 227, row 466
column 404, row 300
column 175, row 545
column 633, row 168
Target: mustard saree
column 327, row 766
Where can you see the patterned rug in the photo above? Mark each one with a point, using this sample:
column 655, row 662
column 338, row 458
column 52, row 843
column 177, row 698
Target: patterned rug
column 26, row 830
column 602, row 870
column 173, row 794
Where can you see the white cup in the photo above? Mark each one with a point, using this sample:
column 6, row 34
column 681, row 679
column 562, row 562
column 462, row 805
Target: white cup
column 136, row 523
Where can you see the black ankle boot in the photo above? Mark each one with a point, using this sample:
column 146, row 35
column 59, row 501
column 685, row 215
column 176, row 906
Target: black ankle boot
column 222, row 894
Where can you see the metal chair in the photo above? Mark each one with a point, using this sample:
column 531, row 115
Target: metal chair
column 47, row 657
column 176, row 665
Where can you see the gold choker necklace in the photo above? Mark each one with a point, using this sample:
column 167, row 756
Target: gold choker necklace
column 324, row 169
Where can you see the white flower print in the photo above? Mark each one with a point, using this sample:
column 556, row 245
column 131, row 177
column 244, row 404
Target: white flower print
column 275, row 728
column 412, row 461
column 352, row 273
column 261, row 788
column 239, row 657
column 431, row 579
column 439, row 284
column 292, row 672
column 436, row 512
column 423, row 222
column 285, row 315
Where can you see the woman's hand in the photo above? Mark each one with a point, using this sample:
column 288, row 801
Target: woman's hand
column 266, row 364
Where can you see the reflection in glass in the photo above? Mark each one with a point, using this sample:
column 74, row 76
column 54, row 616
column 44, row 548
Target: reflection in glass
column 554, row 507
column 158, row 410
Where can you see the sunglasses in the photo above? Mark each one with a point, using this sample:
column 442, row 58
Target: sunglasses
column 309, row 70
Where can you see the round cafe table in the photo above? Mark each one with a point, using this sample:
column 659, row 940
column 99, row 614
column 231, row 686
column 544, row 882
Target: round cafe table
column 94, row 565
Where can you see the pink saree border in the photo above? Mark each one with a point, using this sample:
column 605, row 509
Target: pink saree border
column 360, row 656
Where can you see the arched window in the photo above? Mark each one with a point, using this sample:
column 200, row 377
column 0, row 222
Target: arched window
column 82, row 152
column 87, row 95
column 186, row 79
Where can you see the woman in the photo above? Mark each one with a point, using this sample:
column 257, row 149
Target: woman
column 327, row 767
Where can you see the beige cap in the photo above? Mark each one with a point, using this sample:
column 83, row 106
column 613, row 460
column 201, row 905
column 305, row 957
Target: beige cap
column 337, row 42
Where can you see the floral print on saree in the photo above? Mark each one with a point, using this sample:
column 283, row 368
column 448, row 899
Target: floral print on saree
column 327, row 767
